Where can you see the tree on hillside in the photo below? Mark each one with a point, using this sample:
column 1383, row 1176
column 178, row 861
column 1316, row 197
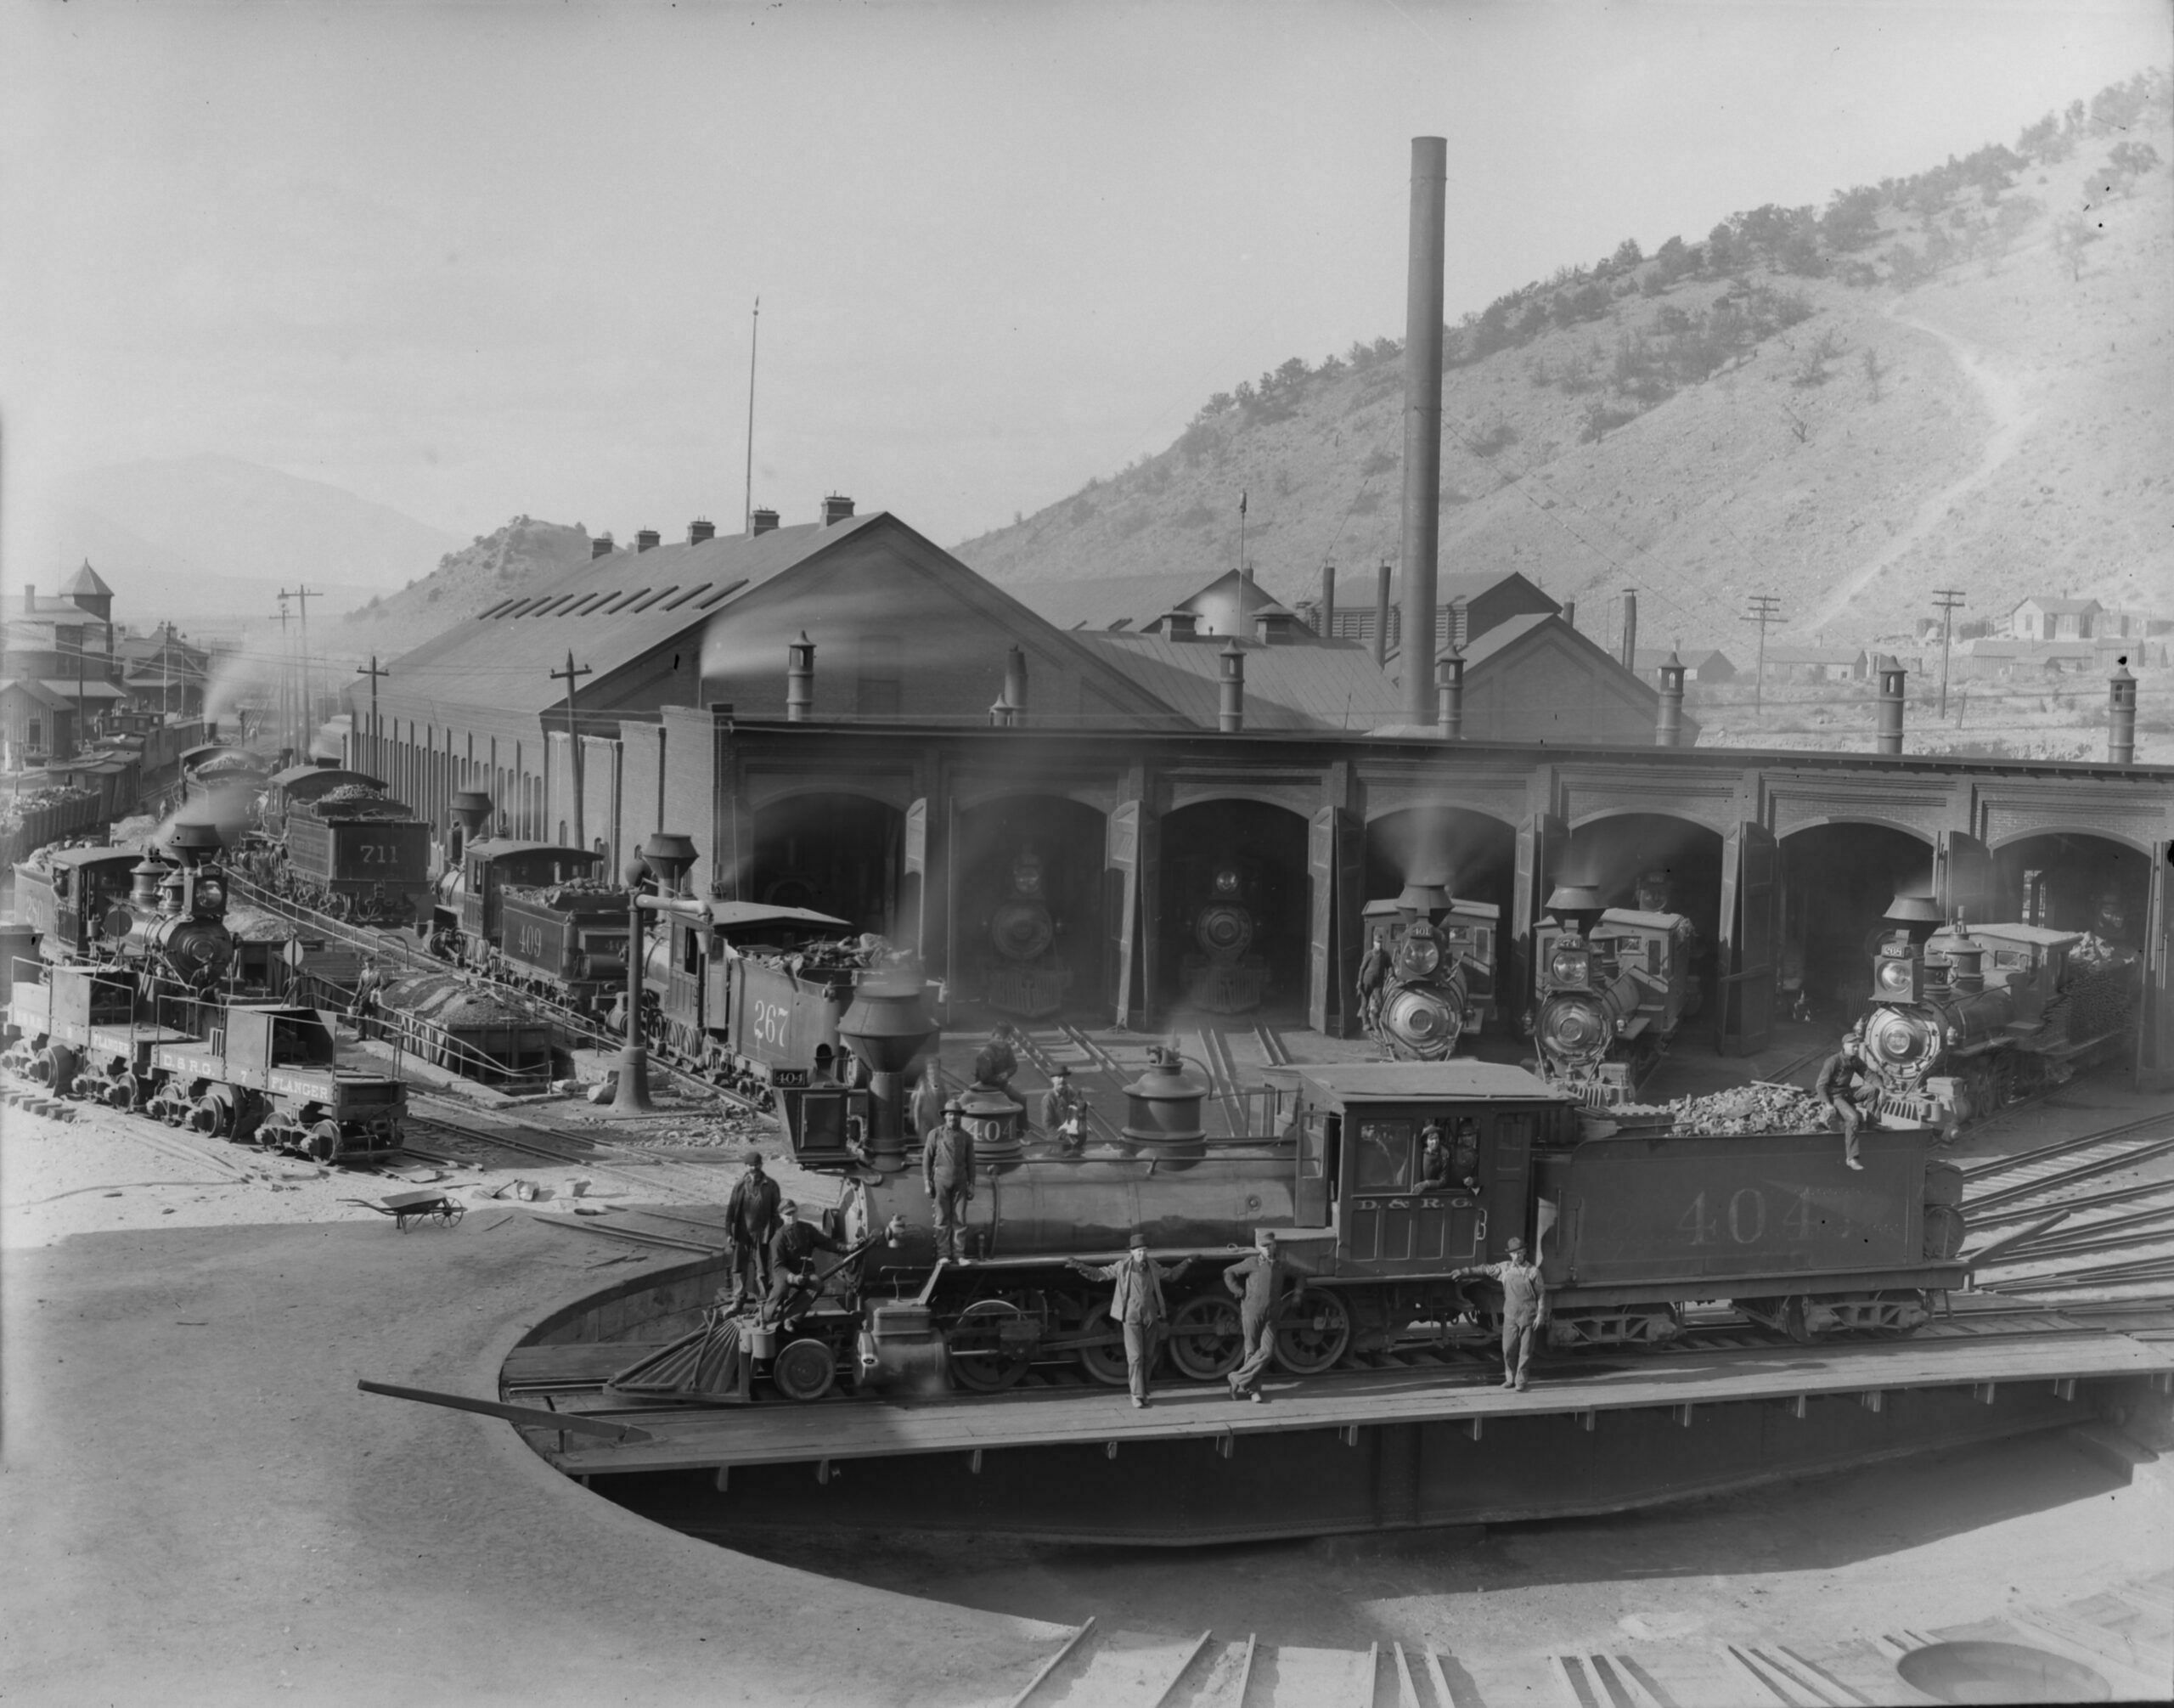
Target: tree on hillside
column 1852, row 218
column 2071, row 235
column 1627, row 253
column 2129, row 161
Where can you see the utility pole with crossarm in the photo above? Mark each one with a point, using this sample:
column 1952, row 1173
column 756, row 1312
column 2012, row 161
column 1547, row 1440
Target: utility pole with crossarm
column 1765, row 608
column 377, row 740
column 569, row 676
column 1946, row 601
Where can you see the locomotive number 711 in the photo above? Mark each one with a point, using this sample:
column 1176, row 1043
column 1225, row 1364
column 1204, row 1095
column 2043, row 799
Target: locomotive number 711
column 1744, row 1218
column 379, row 854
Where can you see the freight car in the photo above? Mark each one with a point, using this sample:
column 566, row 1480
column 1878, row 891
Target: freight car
column 1440, row 982
column 1966, row 1019
column 1629, row 1230
column 1611, row 986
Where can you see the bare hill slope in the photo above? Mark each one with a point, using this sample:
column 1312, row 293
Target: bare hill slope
column 1957, row 379
column 494, row 567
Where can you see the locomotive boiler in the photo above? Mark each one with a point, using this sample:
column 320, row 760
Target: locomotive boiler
column 1964, row 1019
column 1436, row 978
column 1628, row 1230
column 1611, row 986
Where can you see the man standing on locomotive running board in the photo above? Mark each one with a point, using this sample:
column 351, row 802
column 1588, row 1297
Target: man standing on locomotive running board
column 1137, row 1306
column 1524, row 1308
column 1253, row 1280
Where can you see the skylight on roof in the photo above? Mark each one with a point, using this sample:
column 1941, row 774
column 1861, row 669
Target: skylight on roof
column 621, row 602
column 495, row 611
column 699, row 587
column 644, row 605
column 723, row 593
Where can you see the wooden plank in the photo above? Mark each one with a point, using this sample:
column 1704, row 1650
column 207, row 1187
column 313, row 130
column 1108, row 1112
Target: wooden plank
column 572, row 1366
column 853, row 1428
column 528, row 1417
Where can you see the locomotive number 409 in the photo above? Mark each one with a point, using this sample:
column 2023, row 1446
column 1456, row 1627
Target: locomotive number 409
column 770, row 1019
column 1743, row 1217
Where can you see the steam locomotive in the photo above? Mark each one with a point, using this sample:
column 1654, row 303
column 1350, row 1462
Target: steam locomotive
column 1023, row 974
column 135, row 1016
column 1439, row 982
column 1628, row 1229
column 1226, row 977
column 1611, row 986
column 1965, row 1019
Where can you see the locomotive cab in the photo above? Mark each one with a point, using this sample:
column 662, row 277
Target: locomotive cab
column 1385, row 1203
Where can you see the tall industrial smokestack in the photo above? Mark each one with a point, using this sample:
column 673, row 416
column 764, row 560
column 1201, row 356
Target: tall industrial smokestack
column 1423, row 421
column 1630, row 629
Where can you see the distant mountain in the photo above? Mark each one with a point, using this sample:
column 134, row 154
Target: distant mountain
column 216, row 533
column 1961, row 379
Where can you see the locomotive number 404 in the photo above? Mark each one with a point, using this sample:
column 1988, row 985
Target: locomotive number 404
column 1744, row 1218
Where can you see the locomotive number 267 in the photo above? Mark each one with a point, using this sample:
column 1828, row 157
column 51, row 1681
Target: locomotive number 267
column 769, row 1027
column 1743, row 1217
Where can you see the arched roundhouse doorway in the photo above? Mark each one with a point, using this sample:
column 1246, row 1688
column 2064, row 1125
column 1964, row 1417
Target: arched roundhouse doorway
column 2074, row 881
column 1234, row 911
column 1474, row 857
column 838, row 854
column 1029, row 937
column 1837, row 881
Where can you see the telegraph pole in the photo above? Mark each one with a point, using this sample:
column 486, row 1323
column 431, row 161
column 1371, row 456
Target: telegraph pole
column 377, row 742
column 747, row 517
column 1245, row 573
column 569, row 676
column 286, row 681
column 1765, row 608
column 1945, row 600
column 302, row 595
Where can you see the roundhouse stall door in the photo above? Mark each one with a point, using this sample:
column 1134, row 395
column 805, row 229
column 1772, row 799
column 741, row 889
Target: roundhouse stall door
column 1964, row 877
column 1750, row 958
column 1390, row 1223
column 1541, row 840
column 2156, row 1016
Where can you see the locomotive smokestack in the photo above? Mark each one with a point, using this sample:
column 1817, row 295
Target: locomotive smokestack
column 1630, row 629
column 1328, row 601
column 2121, row 716
column 1423, row 421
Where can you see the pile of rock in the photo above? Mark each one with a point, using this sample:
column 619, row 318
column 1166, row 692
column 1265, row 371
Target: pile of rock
column 1747, row 1110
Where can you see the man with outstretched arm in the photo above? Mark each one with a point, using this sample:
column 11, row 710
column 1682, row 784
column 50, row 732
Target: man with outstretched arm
column 1524, row 1307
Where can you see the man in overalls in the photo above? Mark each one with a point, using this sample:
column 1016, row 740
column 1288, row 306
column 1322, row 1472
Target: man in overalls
column 1524, row 1307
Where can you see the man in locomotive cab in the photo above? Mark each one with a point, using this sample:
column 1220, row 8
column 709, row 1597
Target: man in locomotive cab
column 751, row 1219
column 1524, row 1307
column 1837, row 1087
column 1138, row 1305
column 1450, row 1165
column 947, row 1175
column 824, row 1072
column 792, row 1260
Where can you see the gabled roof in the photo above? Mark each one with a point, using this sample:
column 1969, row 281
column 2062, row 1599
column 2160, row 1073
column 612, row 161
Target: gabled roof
column 1650, row 658
column 2061, row 608
column 1128, row 602
column 35, row 690
column 1312, row 686
column 85, row 581
column 1357, row 590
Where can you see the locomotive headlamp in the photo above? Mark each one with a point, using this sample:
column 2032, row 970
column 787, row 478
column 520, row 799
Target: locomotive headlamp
column 1893, row 974
column 1418, row 956
column 1570, row 966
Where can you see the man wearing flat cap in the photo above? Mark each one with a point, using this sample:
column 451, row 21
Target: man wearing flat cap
column 750, row 1220
column 947, row 1175
column 1524, row 1307
column 1064, row 1111
column 1137, row 1306
column 792, row 1258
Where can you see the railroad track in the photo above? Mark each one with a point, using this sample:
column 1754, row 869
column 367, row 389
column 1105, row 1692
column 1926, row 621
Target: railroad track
column 1222, row 1077
column 696, row 1181
column 1272, row 1046
column 2047, row 1231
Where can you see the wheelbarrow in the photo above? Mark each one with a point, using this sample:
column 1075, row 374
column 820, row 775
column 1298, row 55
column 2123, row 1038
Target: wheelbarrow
column 416, row 1206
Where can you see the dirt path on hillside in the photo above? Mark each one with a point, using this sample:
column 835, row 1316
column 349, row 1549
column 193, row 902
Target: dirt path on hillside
column 2002, row 397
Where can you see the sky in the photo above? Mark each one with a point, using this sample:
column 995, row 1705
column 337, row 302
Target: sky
column 475, row 261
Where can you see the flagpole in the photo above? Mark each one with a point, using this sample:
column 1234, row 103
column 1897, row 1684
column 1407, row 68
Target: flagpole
column 747, row 516
column 1245, row 569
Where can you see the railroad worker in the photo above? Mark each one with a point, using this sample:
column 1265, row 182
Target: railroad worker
column 1837, row 1087
column 364, row 1009
column 1524, row 1307
column 751, row 1219
column 995, row 1063
column 824, row 1072
column 1137, row 1306
column 1373, row 980
column 1254, row 1280
column 792, row 1258
column 1064, row 1111
column 928, row 1102
column 1445, row 1168
column 947, row 1174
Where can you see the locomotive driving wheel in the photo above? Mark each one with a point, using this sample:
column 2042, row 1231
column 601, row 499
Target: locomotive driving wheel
column 1312, row 1332
column 983, row 1357
column 1206, row 1342
column 1103, row 1359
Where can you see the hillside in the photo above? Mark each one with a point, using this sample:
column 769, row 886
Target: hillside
column 1960, row 379
column 493, row 566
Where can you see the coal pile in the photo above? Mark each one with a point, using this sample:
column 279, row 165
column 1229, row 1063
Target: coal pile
column 1737, row 1113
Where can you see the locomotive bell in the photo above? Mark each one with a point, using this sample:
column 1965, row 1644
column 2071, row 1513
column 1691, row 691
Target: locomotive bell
column 143, row 891
column 1163, row 1109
